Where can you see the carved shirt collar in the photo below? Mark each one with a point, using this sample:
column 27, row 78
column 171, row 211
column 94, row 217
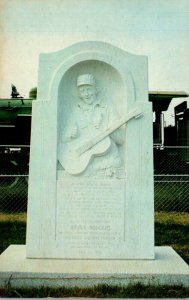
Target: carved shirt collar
column 91, row 107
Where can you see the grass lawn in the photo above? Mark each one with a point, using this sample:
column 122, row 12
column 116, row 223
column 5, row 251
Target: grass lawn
column 170, row 229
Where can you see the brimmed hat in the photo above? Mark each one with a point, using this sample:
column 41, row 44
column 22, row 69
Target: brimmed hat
column 85, row 79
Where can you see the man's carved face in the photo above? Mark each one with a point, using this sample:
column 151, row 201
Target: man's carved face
column 87, row 93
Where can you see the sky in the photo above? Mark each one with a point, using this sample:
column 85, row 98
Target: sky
column 158, row 29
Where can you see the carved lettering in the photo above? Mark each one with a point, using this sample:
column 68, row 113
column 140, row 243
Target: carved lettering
column 86, row 221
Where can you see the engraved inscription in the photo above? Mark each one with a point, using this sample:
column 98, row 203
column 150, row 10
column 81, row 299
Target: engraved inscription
column 90, row 216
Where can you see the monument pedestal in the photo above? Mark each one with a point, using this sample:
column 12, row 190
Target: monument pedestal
column 19, row 271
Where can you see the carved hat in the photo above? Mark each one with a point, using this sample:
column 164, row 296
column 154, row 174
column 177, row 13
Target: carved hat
column 85, row 79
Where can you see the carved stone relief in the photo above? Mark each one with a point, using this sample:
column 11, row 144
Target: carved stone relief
column 92, row 137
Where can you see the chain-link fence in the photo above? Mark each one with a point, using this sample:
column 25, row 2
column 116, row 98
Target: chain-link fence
column 171, row 193
column 171, row 179
column 14, row 166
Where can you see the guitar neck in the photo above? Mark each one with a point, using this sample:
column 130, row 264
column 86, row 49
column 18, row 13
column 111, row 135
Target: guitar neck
column 86, row 146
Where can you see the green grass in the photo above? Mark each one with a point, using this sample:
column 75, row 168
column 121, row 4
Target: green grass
column 16, row 217
column 101, row 291
column 170, row 229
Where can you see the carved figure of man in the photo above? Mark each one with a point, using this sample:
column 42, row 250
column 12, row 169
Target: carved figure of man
column 85, row 142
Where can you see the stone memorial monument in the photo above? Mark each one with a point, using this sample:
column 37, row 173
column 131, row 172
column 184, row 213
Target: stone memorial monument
column 91, row 173
column 91, row 203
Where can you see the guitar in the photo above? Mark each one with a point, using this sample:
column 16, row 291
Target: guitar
column 75, row 155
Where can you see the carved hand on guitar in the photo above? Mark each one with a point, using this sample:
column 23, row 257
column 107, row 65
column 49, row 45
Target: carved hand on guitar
column 73, row 132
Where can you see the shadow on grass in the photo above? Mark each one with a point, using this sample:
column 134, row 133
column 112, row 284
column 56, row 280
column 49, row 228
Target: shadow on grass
column 12, row 233
column 176, row 236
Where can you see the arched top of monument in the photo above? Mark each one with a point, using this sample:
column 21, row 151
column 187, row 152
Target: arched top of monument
column 92, row 45
column 52, row 66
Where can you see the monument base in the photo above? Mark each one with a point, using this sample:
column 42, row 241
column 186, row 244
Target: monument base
column 18, row 271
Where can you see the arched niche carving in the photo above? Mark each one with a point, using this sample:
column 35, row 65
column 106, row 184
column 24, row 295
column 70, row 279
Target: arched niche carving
column 111, row 97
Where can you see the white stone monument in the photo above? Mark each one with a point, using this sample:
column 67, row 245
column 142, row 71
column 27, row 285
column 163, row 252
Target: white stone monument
column 90, row 211
column 91, row 171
